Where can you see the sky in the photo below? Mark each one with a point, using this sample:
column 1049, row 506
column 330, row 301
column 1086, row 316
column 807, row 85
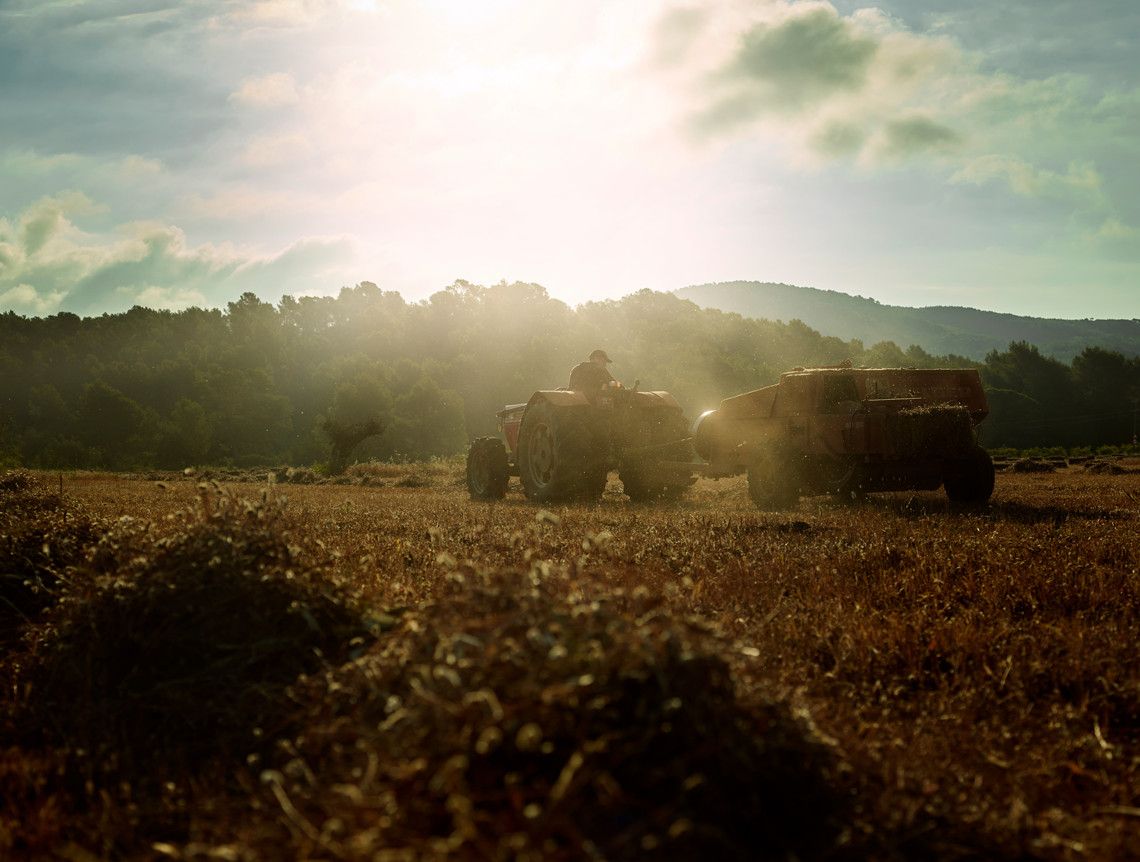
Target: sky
column 172, row 154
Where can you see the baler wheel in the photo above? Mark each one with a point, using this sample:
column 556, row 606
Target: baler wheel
column 773, row 485
column 971, row 479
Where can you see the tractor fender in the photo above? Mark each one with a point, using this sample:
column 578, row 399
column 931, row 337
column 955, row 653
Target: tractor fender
column 559, row 398
column 658, row 399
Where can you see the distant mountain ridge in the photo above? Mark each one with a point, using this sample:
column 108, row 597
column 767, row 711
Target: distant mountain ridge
column 939, row 330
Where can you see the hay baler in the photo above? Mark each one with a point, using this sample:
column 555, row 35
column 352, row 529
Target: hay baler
column 849, row 431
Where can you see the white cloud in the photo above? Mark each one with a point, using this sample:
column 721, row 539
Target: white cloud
column 1081, row 183
column 1114, row 229
column 814, row 86
column 1116, row 238
column 267, row 91
column 289, row 13
column 244, row 202
column 276, row 12
column 26, row 299
column 48, row 263
column 267, row 151
column 804, row 69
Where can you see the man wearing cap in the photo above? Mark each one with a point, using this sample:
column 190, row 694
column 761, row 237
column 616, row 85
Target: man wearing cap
column 590, row 376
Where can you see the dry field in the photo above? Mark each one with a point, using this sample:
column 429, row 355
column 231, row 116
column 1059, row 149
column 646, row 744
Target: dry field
column 392, row 671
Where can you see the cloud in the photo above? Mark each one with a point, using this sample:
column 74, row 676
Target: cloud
column 813, row 86
column 795, row 64
column 47, row 263
column 267, row 91
column 1114, row 229
column 67, row 168
column 267, row 151
column 26, row 299
column 837, row 139
column 1119, row 239
column 908, row 136
column 1081, row 183
column 245, row 202
column 675, row 32
column 858, row 87
column 287, row 13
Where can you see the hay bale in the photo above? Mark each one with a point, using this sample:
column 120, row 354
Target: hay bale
column 413, row 480
column 939, row 429
column 184, row 641
column 1106, row 468
column 43, row 537
column 1030, row 465
column 517, row 719
column 303, row 476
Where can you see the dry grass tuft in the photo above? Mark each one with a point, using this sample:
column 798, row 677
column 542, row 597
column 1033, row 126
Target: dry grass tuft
column 531, row 716
column 1030, row 465
column 43, row 537
column 179, row 645
column 1105, row 467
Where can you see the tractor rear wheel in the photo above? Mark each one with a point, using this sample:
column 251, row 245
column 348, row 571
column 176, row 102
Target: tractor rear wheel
column 487, row 470
column 773, row 484
column 559, row 459
column 971, row 479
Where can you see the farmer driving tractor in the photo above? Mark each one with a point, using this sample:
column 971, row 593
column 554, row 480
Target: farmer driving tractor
column 591, row 376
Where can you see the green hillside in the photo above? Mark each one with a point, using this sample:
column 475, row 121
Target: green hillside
column 939, row 330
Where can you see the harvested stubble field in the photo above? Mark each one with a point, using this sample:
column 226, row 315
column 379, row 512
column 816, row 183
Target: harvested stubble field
column 392, row 671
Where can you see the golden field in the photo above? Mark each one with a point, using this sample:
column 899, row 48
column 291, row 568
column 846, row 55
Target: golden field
column 894, row 680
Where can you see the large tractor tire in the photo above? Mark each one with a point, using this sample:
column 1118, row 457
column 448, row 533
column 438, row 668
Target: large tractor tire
column 971, row 479
column 773, row 483
column 487, row 469
column 559, row 459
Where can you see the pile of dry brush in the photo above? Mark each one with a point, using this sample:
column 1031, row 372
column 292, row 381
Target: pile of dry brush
column 206, row 685
column 43, row 538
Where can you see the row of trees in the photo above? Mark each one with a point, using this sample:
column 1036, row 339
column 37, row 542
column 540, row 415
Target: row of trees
column 304, row 380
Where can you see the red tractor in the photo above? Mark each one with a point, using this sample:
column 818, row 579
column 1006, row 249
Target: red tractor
column 562, row 445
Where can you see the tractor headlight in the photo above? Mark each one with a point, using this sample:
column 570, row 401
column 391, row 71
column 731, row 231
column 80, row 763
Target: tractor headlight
column 703, row 432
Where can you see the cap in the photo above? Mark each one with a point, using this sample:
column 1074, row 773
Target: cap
column 596, row 354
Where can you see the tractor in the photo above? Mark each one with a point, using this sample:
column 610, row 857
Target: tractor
column 848, row 431
column 563, row 444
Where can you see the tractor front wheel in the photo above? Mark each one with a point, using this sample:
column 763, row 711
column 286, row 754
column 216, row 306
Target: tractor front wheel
column 487, row 470
column 559, row 459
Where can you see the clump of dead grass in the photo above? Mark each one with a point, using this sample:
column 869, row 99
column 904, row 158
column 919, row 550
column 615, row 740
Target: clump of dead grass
column 179, row 646
column 43, row 537
column 1103, row 467
column 438, row 472
column 1031, row 465
column 525, row 716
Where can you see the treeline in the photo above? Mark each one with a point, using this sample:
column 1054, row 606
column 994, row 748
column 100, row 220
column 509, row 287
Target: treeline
column 260, row 384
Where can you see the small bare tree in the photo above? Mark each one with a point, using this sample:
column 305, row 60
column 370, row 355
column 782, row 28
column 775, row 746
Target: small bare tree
column 345, row 437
